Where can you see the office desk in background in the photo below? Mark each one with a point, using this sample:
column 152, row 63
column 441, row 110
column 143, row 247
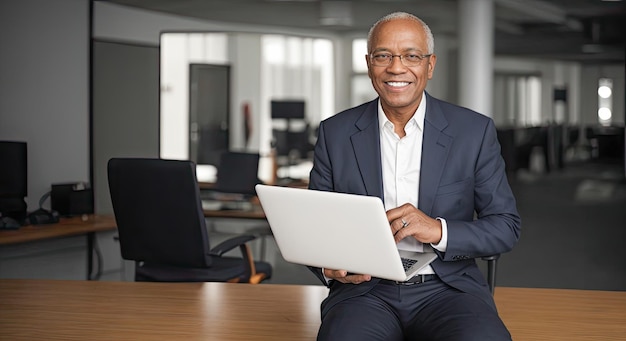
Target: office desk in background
column 66, row 227
column 248, row 209
column 88, row 310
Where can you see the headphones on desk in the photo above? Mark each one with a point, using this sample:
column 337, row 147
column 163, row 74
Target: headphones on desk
column 42, row 216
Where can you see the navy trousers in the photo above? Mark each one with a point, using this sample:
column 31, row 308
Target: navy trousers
column 427, row 311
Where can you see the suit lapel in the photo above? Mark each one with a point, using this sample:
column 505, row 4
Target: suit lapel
column 435, row 147
column 366, row 146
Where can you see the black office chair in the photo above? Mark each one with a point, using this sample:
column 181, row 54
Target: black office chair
column 492, row 262
column 162, row 227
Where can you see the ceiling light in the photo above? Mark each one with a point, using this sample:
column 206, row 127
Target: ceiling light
column 336, row 13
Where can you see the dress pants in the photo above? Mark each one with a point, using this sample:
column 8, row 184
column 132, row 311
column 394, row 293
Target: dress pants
column 427, row 311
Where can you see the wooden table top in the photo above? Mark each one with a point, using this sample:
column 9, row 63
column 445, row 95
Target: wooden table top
column 562, row 314
column 82, row 310
column 64, row 228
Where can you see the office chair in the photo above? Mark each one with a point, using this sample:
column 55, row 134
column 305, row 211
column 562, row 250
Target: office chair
column 492, row 262
column 162, row 227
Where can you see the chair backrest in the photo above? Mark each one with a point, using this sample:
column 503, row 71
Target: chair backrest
column 238, row 173
column 158, row 211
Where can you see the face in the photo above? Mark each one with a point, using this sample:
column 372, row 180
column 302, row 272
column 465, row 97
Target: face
column 400, row 87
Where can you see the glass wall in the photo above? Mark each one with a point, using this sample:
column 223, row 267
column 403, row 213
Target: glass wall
column 264, row 67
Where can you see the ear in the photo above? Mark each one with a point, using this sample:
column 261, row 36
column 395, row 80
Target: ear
column 432, row 61
column 367, row 62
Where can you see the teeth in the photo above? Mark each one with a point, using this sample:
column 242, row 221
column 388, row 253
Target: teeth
column 398, row 84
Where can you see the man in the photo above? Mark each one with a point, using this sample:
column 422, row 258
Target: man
column 437, row 167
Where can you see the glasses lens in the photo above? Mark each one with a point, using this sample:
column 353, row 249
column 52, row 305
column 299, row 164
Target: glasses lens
column 385, row 59
column 411, row 59
column 381, row 59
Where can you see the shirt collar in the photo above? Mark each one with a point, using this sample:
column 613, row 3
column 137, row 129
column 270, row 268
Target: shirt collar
column 418, row 116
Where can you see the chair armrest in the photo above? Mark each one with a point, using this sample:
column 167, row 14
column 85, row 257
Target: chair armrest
column 230, row 244
column 491, row 270
column 246, row 253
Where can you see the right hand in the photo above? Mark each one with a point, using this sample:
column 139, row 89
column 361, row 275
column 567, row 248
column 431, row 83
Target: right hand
column 344, row 276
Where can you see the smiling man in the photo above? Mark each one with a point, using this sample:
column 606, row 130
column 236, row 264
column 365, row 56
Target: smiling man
column 437, row 167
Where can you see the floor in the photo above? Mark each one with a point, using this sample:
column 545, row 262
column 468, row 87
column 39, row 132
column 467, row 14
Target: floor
column 573, row 229
column 573, row 232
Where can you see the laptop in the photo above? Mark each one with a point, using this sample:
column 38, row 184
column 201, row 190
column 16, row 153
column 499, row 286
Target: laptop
column 337, row 231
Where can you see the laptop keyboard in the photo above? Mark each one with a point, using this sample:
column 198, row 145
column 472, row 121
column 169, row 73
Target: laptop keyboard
column 407, row 263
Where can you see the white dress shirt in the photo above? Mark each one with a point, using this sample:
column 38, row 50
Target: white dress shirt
column 401, row 164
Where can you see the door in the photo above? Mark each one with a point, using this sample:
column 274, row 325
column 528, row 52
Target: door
column 208, row 112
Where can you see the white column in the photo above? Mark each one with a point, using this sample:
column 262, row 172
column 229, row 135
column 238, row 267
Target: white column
column 476, row 40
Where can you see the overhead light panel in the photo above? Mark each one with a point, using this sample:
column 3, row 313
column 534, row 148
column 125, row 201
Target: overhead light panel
column 336, row 13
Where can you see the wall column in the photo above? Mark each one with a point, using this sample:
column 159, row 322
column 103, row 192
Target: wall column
column 476, row 50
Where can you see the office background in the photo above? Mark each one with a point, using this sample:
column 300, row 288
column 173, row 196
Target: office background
column 47, row 97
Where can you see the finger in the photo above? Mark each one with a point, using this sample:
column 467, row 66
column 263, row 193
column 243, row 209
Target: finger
column 335, row 274
column 394, row 214
column 399, row 212
column 398, row 225
column 401, row 234
column 357, row 278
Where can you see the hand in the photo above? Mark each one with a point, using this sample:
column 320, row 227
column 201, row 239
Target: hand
column 344, row 276
column 407, row 220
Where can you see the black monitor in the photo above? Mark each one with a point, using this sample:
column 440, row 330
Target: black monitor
column 237, row 173
column 289, row 109
column 13, row 179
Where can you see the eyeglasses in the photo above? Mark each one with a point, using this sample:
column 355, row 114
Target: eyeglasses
column 409, row 59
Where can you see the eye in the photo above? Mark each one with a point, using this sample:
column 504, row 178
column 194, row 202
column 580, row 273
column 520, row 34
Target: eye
column 382, row 56
column 412, row 57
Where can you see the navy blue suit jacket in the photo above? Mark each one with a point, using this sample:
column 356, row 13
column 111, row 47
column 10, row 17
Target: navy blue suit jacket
column 462, row 180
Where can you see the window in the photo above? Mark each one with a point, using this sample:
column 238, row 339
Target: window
column 361, row 87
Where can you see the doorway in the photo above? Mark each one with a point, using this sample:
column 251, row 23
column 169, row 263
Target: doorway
column 209, row 99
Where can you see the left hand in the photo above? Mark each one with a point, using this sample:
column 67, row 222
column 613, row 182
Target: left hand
column 407, row 220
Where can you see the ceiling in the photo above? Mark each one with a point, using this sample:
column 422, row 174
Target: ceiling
column 587, row 31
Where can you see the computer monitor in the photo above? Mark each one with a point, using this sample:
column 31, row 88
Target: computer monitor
column 13, row 179
column 238, row 173
column 289, row 109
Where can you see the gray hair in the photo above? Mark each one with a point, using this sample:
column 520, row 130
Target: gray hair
column 430, row 40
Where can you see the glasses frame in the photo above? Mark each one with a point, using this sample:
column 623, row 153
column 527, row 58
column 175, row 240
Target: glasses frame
column 401, row 56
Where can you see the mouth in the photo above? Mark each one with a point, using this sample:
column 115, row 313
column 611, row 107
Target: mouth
column 398, row 84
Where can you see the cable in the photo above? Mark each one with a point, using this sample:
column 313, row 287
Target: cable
column 43, row 199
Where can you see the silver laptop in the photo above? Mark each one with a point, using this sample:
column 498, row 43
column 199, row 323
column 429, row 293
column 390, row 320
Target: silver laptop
column 337, row 231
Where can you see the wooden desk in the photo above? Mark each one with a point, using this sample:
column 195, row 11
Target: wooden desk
column 65, row 228
column 562, row 314
column 82, row 310
column 254, row 212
